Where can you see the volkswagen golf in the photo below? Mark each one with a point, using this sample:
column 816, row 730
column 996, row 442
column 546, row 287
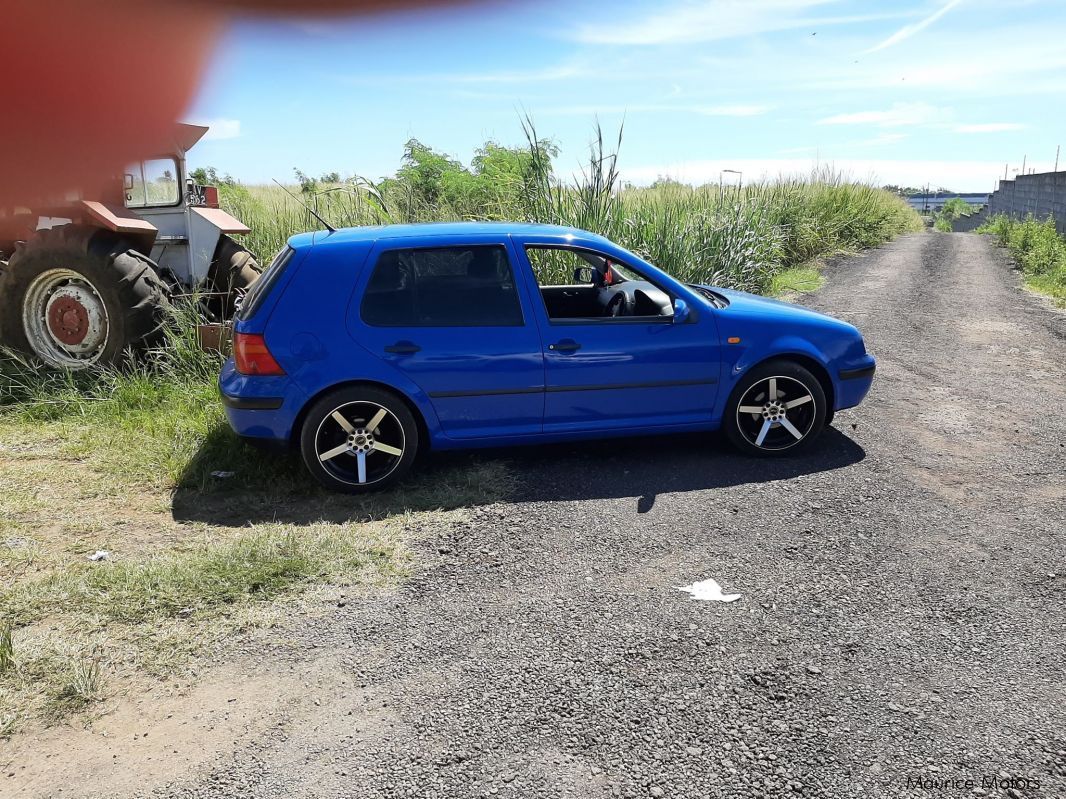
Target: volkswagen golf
column 363, row 347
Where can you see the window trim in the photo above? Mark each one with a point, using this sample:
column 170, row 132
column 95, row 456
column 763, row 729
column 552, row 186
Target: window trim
column 523, row 322
column 610, row 320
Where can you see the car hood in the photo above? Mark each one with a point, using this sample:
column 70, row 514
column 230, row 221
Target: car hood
column 752, row 304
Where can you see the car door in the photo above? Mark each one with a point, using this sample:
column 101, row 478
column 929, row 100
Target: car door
column 640, row 371
column 449, row 315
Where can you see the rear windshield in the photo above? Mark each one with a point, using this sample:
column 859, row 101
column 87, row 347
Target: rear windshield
column 251, row 301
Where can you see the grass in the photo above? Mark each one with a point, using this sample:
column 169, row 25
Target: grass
column 1037, row 248
column 255, row 566
column 796, row 280
column 7, row 649
column 121, row 460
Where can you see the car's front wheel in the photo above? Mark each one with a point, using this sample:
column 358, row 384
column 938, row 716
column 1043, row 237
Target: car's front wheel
column 778, row 408
column 359, row 439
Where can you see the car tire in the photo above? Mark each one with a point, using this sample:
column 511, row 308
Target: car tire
column 359, row 439
column 777, row 409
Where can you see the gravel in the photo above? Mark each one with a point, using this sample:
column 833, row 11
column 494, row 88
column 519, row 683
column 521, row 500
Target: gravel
column 902, row 592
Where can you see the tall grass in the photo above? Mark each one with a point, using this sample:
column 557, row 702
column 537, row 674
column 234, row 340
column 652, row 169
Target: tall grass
column 735, row 237
column 1039, row 250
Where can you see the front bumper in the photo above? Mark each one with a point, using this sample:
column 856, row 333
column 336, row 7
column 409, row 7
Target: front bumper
column 854, row 381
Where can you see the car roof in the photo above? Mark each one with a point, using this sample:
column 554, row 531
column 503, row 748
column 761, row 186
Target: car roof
column 430, row 230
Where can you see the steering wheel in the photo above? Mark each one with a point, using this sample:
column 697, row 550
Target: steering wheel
column 618, row 305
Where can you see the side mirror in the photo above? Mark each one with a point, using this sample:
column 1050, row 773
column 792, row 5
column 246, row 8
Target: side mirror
column 584, row 274
column 681, row 311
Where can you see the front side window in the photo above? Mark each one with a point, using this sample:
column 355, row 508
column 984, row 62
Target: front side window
column 585, row 285
column 470, row 286
column 151, row 183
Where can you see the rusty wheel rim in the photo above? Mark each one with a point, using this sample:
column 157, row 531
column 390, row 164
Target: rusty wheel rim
column 65, row 319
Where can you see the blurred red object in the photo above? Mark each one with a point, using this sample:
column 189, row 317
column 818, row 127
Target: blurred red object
column 91, row 86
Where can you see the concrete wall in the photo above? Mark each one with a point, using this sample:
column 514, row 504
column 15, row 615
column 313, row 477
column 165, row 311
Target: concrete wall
column 967, row 224
column 1041, row 195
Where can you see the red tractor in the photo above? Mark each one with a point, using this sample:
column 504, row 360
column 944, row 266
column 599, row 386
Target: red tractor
column 86, row 280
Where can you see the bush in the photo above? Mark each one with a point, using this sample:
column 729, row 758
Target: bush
column 735, row 237
column 1038, row 249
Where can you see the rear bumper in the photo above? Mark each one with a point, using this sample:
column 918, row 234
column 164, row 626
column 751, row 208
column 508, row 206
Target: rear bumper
column 260, row 409
column 251, row 403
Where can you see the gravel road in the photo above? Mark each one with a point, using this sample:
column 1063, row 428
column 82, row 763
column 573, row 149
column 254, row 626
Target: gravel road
column 902, row 613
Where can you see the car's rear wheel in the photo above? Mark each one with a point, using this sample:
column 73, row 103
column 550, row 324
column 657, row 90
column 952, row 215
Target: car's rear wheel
column 778, row 408
column 359, row 439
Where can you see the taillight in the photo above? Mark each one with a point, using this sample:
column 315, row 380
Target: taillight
column 251, row 356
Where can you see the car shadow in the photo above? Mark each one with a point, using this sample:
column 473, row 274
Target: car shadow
column 267, row 487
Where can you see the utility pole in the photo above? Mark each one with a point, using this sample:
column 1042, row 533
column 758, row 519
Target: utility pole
column 1057, row 148
column 1024, row 159
column 1005, row 168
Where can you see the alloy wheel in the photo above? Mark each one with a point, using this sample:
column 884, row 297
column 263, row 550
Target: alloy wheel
column 360, row 443
column 776, row 413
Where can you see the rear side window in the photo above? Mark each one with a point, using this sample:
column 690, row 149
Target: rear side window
column 443, row 287
column 260, row 289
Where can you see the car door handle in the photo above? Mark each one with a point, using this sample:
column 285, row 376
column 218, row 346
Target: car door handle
column 566, row 345
column 403, row 348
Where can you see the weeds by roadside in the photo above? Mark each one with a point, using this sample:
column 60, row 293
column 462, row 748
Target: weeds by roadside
column 122, row 460
column 1037, row 248
column 953, row 209
column 7, row 649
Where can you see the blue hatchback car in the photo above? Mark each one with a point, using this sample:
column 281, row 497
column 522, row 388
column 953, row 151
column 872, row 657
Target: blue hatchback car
column 365, row 346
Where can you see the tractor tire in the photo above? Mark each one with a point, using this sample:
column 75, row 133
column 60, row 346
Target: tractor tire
column 233, row 270
column 76, row 296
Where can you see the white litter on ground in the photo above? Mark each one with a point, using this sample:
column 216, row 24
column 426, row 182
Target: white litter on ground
column 222, row 475
column 709, row 591
column 100, row 554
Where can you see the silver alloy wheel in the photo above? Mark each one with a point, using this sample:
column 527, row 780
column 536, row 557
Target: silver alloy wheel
column 65, row 319
column 360, row 443
column 776, row 413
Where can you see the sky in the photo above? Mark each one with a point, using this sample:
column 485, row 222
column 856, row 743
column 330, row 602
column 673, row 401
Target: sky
column 908, row 92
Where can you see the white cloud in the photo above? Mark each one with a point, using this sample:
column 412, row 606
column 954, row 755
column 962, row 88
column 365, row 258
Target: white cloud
column 959, row 175
column 220, row 128
column 713, row 20
column 899, row 115
column 908, row 31
column 989, row 127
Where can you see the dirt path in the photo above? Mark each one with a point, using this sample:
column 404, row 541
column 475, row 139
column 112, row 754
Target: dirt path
column 902, row 618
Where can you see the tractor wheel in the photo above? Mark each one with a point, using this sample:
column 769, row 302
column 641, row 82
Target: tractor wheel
column 75, row 296
column 232, row 272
